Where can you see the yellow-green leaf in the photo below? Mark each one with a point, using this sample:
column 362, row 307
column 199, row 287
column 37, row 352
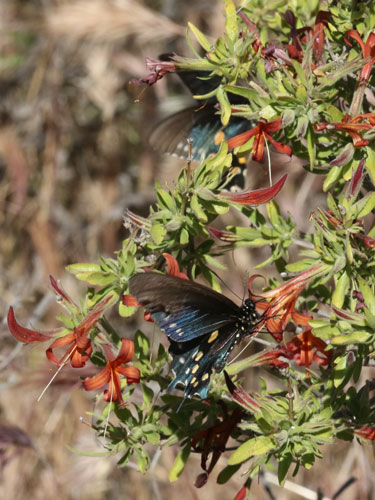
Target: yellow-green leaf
column 231, row 26
column 202, row 40
column 252, row 448
column 179, row 464
column 341, row 290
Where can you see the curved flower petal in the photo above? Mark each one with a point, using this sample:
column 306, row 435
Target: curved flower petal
column 25, row 334
column 255, row 197
column 173, row 266
column 129, row 300
column 97, row 381
column 126, row 352
column 132, row 374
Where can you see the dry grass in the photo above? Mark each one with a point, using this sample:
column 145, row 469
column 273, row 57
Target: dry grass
column 73, row 156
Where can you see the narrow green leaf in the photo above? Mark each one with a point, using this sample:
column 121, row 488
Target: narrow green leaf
column 201, row 39
column 284, row 464
column 197, row 208
column 332, row 177
column 368, row 295
column 179, row 464
column 251, row 448
column 341, row 290
column 358, row 337
column 231, row 26
column 225, row 106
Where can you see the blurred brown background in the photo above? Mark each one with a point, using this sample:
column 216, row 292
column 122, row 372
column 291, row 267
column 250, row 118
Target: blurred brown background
column 73, row 157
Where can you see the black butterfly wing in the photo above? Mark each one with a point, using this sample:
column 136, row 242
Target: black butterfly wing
column 183, row 309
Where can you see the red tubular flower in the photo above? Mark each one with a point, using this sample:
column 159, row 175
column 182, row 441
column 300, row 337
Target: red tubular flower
column 173, row 269
column 279, row 310
column 78, row 340
column 261, row 132
column 366, row 433
column 254, row 197
column 368, row 50
column 352, row 126
column 112, row 371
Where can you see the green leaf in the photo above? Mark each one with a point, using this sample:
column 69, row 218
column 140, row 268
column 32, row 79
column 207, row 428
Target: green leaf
column 358, row 337
column 341, row 290
column 370, row 163
column 365, row 205
column 231, row 26
column 227, row 473
column 332, row 177
column 157, row 233
column 225, row 106
column 311, row 140
column 153, row 437
column 284, row 464
column 197, row 208
column 202, row 40
column 184, row 236
column 339, row 370
column 253, row 447
column 165, row 199
column 368, row 295
column 142, row 459
column 83, row 268
column 141, row 345
column 126, row 311
column 148, row 393
column 179, row 464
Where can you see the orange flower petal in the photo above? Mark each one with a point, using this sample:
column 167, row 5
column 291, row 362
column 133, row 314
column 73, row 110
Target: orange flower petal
column 173, row 266
column 102, row 378
column 132, row 374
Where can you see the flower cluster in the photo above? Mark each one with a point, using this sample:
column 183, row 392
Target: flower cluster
column 79, row 346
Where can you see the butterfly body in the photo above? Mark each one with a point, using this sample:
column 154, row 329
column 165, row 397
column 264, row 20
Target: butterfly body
column 203, row 326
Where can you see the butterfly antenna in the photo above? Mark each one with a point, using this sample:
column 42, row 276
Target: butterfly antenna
column 225, row 285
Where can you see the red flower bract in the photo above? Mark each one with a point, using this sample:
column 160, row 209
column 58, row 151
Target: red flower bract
column 112, row 371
